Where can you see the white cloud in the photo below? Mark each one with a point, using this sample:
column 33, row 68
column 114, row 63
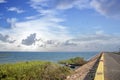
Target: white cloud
column 3, row 1
column 69, row 43
column 99, row 42
column 12, row 21
column 110, row 8
column 6, row 38
column 38, row 4
column 61, row 4
column 67, row 4
column 50, row 35
column 15, row 9
column 45, row 39
column 46, row 28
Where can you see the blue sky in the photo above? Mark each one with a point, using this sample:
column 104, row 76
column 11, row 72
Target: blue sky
column 59, row 25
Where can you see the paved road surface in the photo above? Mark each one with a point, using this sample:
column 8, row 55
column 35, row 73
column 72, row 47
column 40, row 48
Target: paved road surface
column 111, row 66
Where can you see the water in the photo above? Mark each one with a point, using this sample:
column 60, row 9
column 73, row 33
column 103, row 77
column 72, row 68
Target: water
column 8, row 57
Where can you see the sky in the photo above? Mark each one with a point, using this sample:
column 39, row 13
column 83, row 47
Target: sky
column 59, row 25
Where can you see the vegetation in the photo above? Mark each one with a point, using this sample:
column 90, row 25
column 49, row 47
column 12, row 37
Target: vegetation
column 78, row 61
column 117, row 53
column 34, row 70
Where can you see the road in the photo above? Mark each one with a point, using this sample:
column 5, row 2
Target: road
column 104, row 67
column 111, row 66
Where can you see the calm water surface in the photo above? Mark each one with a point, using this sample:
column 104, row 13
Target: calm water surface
column 8, row 57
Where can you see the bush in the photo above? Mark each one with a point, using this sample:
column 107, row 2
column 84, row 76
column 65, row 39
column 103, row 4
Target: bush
column 117, row 53
column 76, row 61
column 35, row 70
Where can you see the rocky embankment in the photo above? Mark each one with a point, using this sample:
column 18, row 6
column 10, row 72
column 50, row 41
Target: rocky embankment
column 87, row 71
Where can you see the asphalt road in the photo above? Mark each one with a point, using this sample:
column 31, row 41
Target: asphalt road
column 111, row 66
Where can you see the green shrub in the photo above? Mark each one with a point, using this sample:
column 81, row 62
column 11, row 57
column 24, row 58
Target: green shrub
column 117, row 53
column 35, row 70
column 77, row 61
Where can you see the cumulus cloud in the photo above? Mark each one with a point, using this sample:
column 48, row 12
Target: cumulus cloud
column 69, row 43
column 29, row 40
column 15, row 9
column 3, row 1
column 53, row 43
column 5, row 38
column 107, row 7
column 50, row 42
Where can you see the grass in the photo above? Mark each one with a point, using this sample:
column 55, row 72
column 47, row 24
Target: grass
column 33, row 70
